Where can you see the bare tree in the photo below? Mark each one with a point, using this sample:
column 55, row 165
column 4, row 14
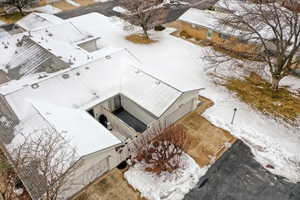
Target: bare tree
column 8, row 179
column 275, row 30
column 19, row 4
column 43, row 160
column 163, row 152
column 144, row 13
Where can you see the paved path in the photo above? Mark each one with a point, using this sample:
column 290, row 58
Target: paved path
column 104, row 8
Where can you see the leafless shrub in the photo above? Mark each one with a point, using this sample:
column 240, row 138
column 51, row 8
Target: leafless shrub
column 163, row 153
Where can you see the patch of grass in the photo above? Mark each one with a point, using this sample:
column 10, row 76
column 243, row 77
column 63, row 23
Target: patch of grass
column 11, row 18
column 258, row 93
column 139, row 39
column 185, row 35
column 83, row 196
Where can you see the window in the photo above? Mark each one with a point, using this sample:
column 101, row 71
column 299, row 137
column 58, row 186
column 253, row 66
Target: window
column 209, row 34
column 223, row 36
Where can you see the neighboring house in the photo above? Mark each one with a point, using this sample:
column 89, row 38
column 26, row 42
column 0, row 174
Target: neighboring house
column 55, row 45
column 100, row 99
column 204, row 25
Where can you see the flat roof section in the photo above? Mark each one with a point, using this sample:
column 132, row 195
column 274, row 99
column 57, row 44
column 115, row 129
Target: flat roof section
column 129, row 119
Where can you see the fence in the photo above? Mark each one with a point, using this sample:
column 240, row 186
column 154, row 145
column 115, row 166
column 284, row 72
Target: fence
column 151, row 132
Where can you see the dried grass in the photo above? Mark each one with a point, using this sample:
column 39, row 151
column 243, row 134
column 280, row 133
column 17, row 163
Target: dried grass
column 139, row 39
column 258, row 93
column 11, row 18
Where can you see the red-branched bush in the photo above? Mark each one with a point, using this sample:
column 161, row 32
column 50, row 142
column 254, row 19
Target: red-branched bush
column 163, row 153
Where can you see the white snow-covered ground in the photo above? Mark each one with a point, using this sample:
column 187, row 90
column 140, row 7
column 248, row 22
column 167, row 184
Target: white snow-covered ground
column 165, row 187
column 2, row 23
column 120, row 9
column 181, row 64
column 49, row 9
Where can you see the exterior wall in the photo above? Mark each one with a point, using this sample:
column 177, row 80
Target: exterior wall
column 89, row 46
column 193, row 30
column 90, row 167
column 186, row 103
column 119, row 128
column 137, row 111
column 112, row 103
column 201, row 33
column 233, row 43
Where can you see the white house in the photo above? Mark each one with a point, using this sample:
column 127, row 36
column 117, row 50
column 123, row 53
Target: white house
column 100, row 100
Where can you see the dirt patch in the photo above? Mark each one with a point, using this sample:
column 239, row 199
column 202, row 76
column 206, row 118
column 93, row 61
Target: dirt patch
column 139, row 39
column 257, row 93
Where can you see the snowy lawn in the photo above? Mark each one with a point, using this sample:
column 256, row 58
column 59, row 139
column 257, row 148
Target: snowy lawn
column 165, row 186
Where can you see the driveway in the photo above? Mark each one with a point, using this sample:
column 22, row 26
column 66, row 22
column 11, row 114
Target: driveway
column 238, row 176
column 105, row 8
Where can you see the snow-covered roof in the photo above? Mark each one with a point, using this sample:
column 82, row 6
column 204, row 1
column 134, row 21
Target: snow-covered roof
column 38, row 20
column 213, row 20
column 115, row 72
column 84, row 133
column 61, row 40
column 232, row 5
column 208, row 19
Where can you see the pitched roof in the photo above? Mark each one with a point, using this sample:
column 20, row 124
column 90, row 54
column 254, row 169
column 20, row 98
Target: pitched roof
column 38, row 20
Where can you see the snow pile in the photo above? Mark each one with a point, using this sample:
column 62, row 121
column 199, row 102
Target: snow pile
column 120, row 9
column 73, row 3
column 165, row 187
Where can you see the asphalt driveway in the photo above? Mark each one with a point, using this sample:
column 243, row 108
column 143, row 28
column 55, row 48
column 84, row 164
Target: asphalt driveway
column 238, row 176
